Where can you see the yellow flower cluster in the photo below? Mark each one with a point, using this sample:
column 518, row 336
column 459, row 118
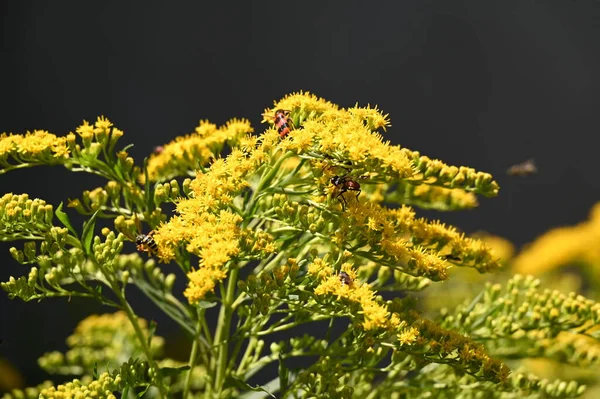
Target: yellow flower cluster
column 208, row 223
column 375, row 315
column 561, row 246
column 187, row 153
column 37, row 146
column 99, row 331
column 418, row 246
column 102, row 388
column 500, row 247
column 204, row 225
column 214, row 237
column 348, row 135
column 440, row 198
column 99, row 131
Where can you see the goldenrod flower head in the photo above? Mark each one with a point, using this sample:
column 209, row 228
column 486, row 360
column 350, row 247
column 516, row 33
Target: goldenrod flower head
column 102, row 129
column 85, row 130
column 38, row 145
column 499, row 247
column 323, row 131
column 561, row 246
column 373, row 117
column 202, row 281
column 102, row 388
column 100, row 330
column 187, row 153
column 440, row 198
column 302, row 106
column 408, row 336
column 375, row 315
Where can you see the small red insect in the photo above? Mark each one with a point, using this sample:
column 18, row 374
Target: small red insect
column 344, row 184
column 283, row 123
column 158, row 150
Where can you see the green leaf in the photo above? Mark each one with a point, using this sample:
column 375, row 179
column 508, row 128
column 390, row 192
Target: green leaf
column 206, row 304
column 64, row 219
column 244, row 385
column 151, row 331
column 147, row 192
column 125, row 392
column 143, row 392
column 128, row 146
column 95, row 373
column 173, row 371
column 88, row 233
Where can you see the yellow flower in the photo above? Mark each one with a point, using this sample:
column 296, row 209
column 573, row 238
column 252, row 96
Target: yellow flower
column 85, row 130
column 101, row 389
column 201, row 282
column 372, row 116
column 349, row 135
column 375, row 315
column 408, row 336
column 561, row 246
column 38, row 146
column 184, row 154
column 500, row 247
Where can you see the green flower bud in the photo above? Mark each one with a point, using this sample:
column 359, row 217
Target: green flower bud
column 275, row 347
column 170, row 281
column 48, row 214
column 33, row 276
column 30, row 250
column 160, row 194
column 174, row 189
column 125, row 277
column 18, row 255
column 384, row 274
column 186, row 187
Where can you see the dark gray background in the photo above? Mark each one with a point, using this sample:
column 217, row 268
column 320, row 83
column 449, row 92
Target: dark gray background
column 478, row 83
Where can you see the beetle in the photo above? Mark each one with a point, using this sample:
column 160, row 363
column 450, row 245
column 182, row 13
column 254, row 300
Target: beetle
column 344, row 184
column 283, row 123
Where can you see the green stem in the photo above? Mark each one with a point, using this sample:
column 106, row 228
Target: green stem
column 251, row 345
column 192, row 361
column 140, row 335
column 264, row 181
column 221, row 341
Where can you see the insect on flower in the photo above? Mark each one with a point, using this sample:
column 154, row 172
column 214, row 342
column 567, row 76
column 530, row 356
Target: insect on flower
column 345, row 279
column 523, row 169
column 283, row 123
column 158, row 150
column 145, row 243
column 344, row 184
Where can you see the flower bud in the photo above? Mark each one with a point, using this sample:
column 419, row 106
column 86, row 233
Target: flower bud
column 384, row 274
column 170, row 281
column 187, row 190
column 18, row 255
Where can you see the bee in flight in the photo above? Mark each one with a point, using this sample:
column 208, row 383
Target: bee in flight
column 526, row 168
column 345, row 279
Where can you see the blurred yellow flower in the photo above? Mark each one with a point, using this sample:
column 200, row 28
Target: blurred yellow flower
column 562, row 246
